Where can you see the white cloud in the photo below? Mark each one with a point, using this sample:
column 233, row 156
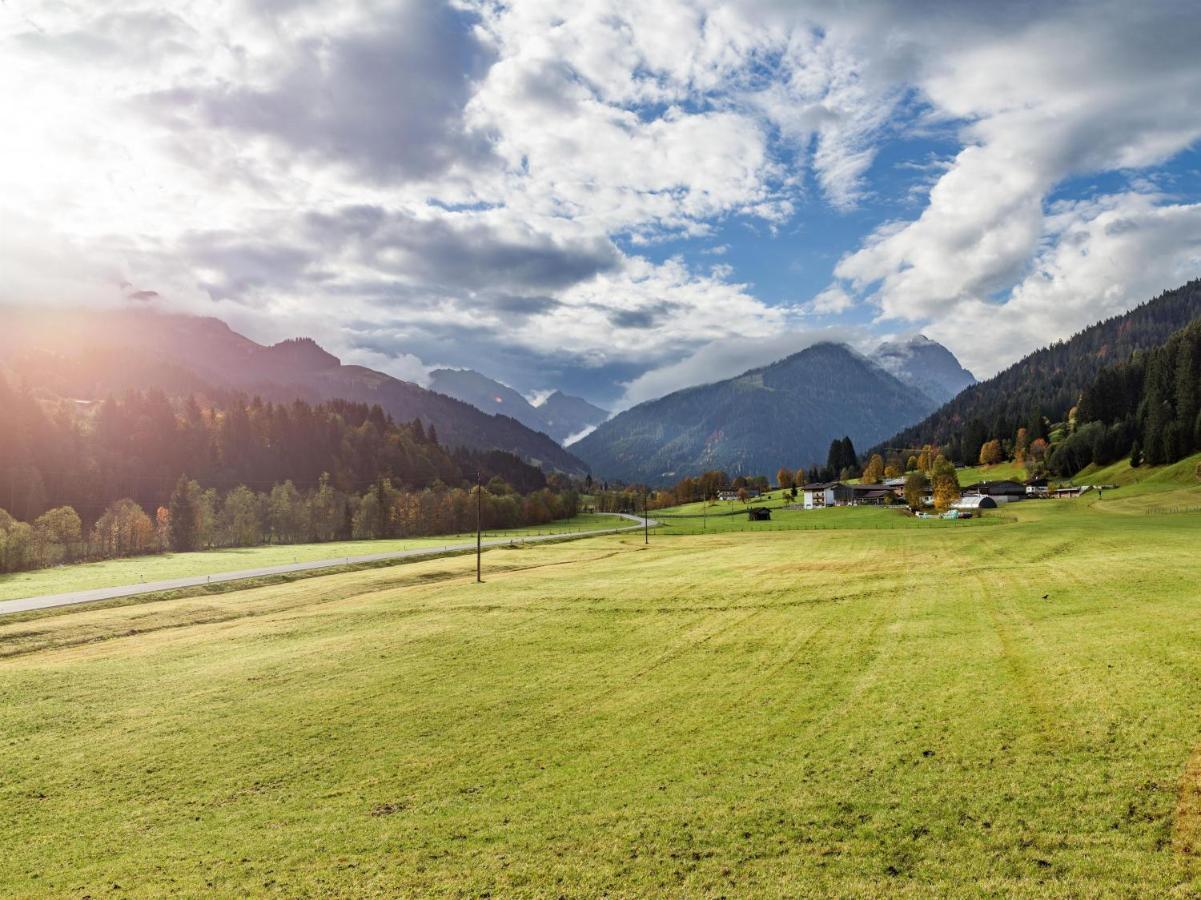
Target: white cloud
column 404, row 366
column 1099, row 258
column 579, row 435
column 831, row 301
column 1057, row 96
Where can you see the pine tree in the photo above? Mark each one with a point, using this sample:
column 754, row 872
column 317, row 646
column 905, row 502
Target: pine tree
column 183, row 517
column 834, row 457
column 850, row 459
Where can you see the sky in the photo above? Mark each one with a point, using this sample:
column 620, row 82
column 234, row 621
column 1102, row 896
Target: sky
column 617, row 199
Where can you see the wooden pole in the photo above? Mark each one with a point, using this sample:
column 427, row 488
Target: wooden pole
column 479, row 518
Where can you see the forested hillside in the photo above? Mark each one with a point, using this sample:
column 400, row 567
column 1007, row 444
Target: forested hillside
column 87, row 354
column 1047, row 383
column 138, row 445
column 145, row 472
column 1148, row 409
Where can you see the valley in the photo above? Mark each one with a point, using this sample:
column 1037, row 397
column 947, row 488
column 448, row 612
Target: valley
column 853, row 710
column 517, row 449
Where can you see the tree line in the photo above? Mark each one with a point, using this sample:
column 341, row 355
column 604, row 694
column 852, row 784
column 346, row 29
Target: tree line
column 57, row 452
column 144, row 473
column 203, row 519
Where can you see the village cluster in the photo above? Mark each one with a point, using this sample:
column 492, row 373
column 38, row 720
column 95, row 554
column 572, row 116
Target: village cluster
column 974, row 498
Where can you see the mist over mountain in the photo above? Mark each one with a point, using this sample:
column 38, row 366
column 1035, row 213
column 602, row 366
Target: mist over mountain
column 561, row 416
column 925, row 365
column 785, row 413
column 87, row 354
column 570, row 416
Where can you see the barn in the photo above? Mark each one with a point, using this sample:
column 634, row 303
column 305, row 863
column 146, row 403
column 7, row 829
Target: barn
column 973, row 502
column 1004, row 491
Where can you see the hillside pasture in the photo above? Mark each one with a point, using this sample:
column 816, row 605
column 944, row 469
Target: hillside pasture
column 900, row 711
column 1006, row 471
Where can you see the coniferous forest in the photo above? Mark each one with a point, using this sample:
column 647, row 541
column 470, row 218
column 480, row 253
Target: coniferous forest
column 145, row 472
column 1043, row 386
column 1148, row 408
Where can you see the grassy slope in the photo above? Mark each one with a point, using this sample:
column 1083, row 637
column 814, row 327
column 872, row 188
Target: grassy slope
column 834, row 711
column 1146, row 490
column 1000, row 472
column 116, row 572
column 1172, row 477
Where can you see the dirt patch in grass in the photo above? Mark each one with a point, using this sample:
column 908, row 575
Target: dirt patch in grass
column 1186, row 826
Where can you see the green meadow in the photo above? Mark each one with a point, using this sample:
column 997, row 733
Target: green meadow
column 852, row 711
column 166, row 566
column 837, row 518
column 1000, row 472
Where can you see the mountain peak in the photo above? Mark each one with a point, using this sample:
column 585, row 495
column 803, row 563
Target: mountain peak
column 185, row 354
column 302, row 353
column 560, row 416
column 786, row 412
column 924, row 365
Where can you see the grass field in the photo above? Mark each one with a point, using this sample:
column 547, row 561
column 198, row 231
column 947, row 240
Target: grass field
column 1011, row 710
column 724, row 507
column 1000, row 472
column 838, row 518
column 117, row 572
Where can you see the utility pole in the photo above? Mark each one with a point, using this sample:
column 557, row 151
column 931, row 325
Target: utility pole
column 646, row 523
column 479, row 518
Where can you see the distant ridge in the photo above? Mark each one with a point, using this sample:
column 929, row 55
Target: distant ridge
column 89, row 353
column 559, row 415
column 782, row 414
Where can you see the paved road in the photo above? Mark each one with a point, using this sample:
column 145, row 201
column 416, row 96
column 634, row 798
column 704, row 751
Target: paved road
column 48, row 601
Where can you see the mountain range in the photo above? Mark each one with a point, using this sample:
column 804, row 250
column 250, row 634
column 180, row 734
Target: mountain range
column 785, row 413
column 559, row 415
column 87, row 354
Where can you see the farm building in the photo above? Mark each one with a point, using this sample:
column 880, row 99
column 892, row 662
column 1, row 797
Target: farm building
column 1037, row 487
column 838, row 493
column 1000, row 491
column 759, row 514
column 974, row 502
column 751, row 494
